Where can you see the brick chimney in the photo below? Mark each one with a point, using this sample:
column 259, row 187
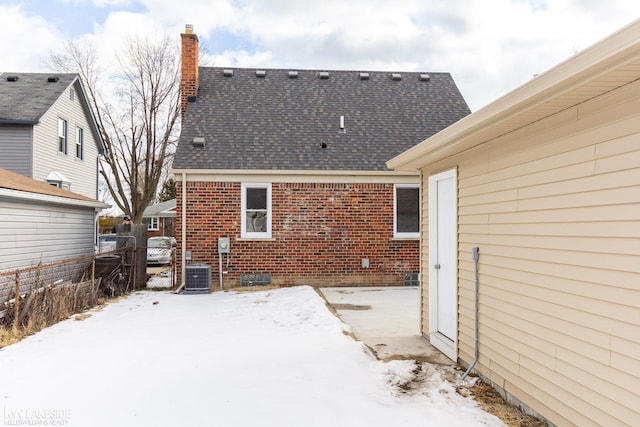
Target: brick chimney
column 189, row 82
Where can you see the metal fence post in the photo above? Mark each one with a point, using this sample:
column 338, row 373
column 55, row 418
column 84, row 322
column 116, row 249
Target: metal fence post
column 16, row 300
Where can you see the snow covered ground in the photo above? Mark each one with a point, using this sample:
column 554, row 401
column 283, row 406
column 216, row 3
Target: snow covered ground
column 270, row 358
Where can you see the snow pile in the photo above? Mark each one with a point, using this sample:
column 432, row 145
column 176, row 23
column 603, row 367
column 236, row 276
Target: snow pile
column 272, row 358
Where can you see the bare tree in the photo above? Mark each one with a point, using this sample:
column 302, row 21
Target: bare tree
column 138, row 120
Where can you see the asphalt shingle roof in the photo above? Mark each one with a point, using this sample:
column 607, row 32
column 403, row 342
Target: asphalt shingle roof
column 277, row 122
column 26, row 99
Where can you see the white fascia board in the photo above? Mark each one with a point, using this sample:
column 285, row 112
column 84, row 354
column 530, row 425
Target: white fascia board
column 45, row 198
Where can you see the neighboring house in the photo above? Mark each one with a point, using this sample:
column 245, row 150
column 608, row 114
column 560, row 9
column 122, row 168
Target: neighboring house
column 160, row 219
column 545, row 181
column 290, row 165
column 40, row 223
column 48, row 131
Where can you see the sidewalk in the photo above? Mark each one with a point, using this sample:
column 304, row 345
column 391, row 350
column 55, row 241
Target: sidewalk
column 386, row 319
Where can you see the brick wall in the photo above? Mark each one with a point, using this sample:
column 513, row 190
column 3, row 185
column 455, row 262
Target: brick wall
column 321, row 233
column 189, row 61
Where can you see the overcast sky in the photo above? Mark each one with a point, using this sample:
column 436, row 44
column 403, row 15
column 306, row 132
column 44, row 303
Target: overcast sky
column 489, row 46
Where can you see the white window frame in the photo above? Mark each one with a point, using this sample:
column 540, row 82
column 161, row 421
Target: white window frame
column 79, row 143
column 396, row 233
column 154, row 223
column 60, row 184
column 63, row 135
column 243, row 217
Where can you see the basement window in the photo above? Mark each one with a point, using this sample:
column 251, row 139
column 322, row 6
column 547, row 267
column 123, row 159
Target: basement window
column 406, row 218
column 256, row 211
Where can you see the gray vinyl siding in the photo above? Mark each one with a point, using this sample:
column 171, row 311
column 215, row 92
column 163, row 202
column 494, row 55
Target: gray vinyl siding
column 81, row 173
column 16, row 148
column 34, row 232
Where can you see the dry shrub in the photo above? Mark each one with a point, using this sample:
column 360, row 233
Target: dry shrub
column 10, row 336
column 491, row 401
column 44, row 307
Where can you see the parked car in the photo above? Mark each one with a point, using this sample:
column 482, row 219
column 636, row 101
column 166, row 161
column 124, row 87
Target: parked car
column 159, row 250
column 107, row 243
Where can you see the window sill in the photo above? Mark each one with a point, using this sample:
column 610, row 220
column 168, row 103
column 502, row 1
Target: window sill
column 405, row 238
column 256, row 239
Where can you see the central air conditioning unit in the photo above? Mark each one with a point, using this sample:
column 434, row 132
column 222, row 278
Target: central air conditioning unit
column 197, row 279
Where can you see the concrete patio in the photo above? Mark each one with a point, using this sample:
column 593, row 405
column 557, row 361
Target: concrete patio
column 385, row 319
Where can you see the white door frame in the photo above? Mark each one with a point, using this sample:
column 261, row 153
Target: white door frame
column 446, row 344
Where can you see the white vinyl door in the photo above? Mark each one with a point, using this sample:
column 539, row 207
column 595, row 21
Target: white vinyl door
column 443, row 262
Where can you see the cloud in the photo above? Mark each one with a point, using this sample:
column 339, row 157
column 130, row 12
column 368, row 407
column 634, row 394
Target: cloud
column 489, row 47
column 26, row 40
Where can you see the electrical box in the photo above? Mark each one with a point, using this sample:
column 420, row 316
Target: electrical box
column 223, row 245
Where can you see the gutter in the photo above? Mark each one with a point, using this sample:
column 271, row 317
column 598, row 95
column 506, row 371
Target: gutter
column 24, row 195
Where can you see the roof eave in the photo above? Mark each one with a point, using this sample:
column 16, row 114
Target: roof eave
column 47, row 198
column 19, row 122
column 615, row 51
column 180, row 171
column 102, row 148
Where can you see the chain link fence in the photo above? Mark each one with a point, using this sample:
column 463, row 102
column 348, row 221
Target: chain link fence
column 38, row 296
column 162, row 276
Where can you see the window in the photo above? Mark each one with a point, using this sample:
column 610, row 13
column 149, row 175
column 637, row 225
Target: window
column 60, row 184
column 57, row 179
column 256, row 211
column 79, row 143
column 62, row 136
column 152, row 223
column 406, row 217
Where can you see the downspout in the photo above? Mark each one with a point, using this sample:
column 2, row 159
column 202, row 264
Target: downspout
column 96, row 226
column 475, row 254
column 184, row 227
column 96, row 222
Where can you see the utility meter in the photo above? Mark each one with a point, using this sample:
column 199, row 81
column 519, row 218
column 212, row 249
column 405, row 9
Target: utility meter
column 223, row 245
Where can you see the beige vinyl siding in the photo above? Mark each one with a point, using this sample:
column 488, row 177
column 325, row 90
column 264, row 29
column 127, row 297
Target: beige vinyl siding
column 555, row 210
column 82, row 173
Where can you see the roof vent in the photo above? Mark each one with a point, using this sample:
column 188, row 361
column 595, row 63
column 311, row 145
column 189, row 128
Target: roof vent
column 293, row 74
column 192, row 98
column 261, row 73
column 323, row 75
column 364, row 76
column 52, row 79
column 396, row 76
column 198, row 141
column 12, row 78
column 227, row 73
column 425, row 77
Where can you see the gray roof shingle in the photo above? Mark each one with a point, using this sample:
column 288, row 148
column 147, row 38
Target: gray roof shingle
column 280, row 123
column 26, row 99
